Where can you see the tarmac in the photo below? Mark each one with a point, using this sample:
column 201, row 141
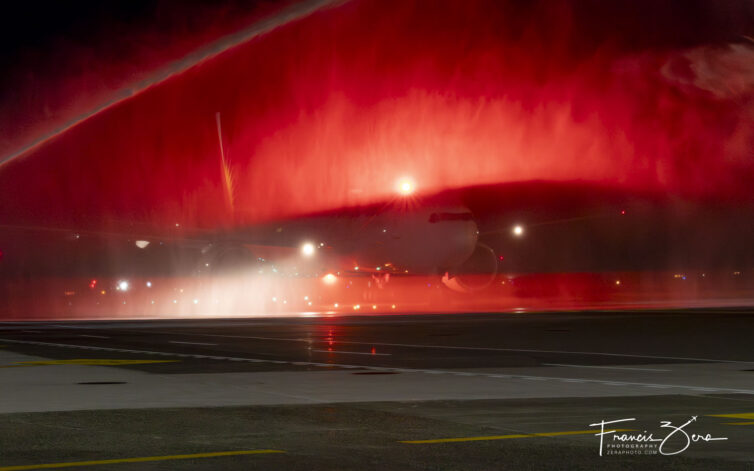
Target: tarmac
column 461, row 391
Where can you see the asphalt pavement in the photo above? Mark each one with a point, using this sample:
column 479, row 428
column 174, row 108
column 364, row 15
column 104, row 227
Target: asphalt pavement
column 463, row 391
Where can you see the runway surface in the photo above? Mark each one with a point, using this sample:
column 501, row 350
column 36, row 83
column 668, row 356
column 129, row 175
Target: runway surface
column 466, row 391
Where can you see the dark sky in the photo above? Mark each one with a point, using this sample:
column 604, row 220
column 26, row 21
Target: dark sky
column 59, row 57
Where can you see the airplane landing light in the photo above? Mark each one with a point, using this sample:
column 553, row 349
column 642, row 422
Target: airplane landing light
column 307, row 250
column 406, row 186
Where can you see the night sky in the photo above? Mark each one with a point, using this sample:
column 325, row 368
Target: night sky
column 652, row 100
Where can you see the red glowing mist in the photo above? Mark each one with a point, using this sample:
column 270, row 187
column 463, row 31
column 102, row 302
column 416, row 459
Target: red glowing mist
column 247, row 295
column 329, row 111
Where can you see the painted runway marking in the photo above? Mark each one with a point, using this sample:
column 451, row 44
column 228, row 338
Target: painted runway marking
column 451, row 347
column 507, row 437
column 95, row 362
column 604, row 367
column 406, row 370
column 86, row 362
column 143, row 459
column 351, row 353
column 94, row 336
column 743, row 415
column 190, row 343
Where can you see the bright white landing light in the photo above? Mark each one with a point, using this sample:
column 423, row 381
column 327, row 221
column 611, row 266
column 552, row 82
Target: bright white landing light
column 406, row 186
column 329, row 279
column 518, row 230
column 123, row 285
column 307, row 250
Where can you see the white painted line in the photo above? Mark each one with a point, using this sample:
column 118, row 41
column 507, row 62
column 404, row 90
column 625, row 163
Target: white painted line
column 351, row 353
column 377, row 368
column 452, row 347
column 604, row 367
column 94, row 336
column 190, row 343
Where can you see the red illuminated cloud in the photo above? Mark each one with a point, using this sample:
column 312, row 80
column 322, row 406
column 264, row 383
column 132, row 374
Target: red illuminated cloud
column 331, row 110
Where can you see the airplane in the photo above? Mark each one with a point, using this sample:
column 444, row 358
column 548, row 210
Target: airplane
column 381, row 241
column 406, row 242
column 401, row 236
column 406, row 235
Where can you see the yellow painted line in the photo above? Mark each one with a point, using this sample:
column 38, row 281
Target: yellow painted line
column 216, row 454
column 87, row 362
column 739, row 423
column 745, row 415
column 506, row 437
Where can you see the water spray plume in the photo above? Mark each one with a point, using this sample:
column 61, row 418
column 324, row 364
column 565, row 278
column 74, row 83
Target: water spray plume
column 227, row 172
column 289, row 14
column 325, row 114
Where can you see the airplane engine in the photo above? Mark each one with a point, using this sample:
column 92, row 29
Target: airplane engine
column 476, row 273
